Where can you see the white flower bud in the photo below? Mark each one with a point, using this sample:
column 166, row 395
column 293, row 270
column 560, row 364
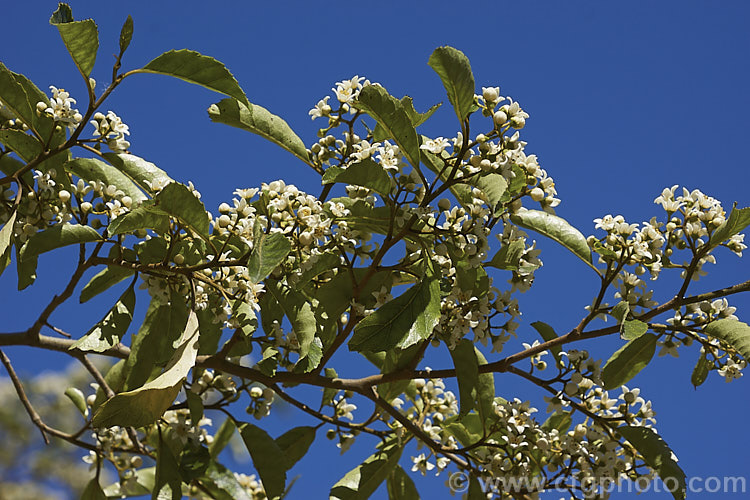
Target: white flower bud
column 490, row 94
column 64, row 195
column 256, row 392
column 537, row 194
column 499, row 117
column 86, row 207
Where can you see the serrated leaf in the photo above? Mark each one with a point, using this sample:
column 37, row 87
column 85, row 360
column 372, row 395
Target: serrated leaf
column 145, row 217
column 628, row 361
column 81, row 38
column 632, row 329
column 126, row 34
column 556, row 228
column 548, row 333
column 93, row 491
column 365, row 173
column 269, row 460
column 363, row 480
column 380, row 134
column 401, row 322
column 78, row 399
column 700, row 372
column 733, row 332
column 658, row 456
column 494, row 187
column 295, row 443
column 145, row 174
column 260, row 121
column 91, row 169
column 269, row 250
column 389, row 112
column 57, row 236
column 181, row 203
column 738, row 220
column 400, row 486
column 112, row 327
column 15, row 98
column 146, row 404
column 194, row 67
column 454, row 70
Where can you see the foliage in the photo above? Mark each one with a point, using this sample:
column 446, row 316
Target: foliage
column 406, row 247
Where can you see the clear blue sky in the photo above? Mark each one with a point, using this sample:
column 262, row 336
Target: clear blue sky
column 625, row 98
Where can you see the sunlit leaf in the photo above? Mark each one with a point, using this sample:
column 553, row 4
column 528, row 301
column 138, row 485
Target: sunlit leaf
column 181, row 203
column 658, row 456
column 733, row 332
column 298, row 310
column 269, row 250
column 93, row 491
column 739, row 219
column 559, row 420
column 91, row 169
column 401, row 322
column 260, row 121
column 629, row 360
column 454, row 70
column 391, row 115
column 700, row 372
column 548, row 333
column 78, row 399
column 146, row 404
column 467, row 374
column 126, row 34
column 145, row 217
column 6, row 238
column 81, row 38
column 222, row 484
column 145, row 174
column 26, row 146
column 108, row 332
column 632, row 329
column 196, row 68
column 365, row 173
column 57, row 236
column 556, row 228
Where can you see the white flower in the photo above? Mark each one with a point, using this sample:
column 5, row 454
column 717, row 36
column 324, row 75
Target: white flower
column 436, row 145
column 321, row 109
column 421, row 464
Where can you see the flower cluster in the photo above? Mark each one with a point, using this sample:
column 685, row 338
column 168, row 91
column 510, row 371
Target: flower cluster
column 112, row 130
column 60, row 108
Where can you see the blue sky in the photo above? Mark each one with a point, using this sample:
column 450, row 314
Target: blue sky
column 625, row 98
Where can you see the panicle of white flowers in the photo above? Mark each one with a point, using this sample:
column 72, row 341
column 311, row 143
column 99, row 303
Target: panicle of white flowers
column 60, row 108
column 112, row 130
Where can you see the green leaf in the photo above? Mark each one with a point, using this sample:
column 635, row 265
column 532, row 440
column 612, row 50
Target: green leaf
column 365, row 173
column 25, row 269
column 403, row 321
column 93, row 491
column 78, row 399
column 194, row 458
column 146, row 404
column 103, row 281
column 6, row 236
column 222, row 437
column 363, row 480
column 453, row 68
column 632, row 329
column 493, row 186
column 733, row 332
column 738, row 220
column 658, row 456
column 15, row 98
column 629, row 360
column 295, row 443
column 81, row 38
column 112, row 327
column 556, row 228
column 700, row 372
column 417, row 118
column 181, row 203
column 485, row 389
column 90, row 169
column 467, row 374
column 324, row 262
column 559, row 420
column 222, row 484
column 548, row 333
column 143, row 485
column 260, row 121
column 620, row 312
column 195, row 406
column 269, row 460
column 391, row 115
column 156, row 341
column 400, row 486
column 461, row 191
column 196, row 68
column 57, row 236
column 126, row 34
column 269, row 250
column 145, row 217
column 26, row 146
column 328, row 392
column 167, row 474
column 508, row 256
column 298, row 310
column 145, row 174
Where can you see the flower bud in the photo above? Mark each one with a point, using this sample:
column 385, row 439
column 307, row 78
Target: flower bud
column 537, row 194
column 499, row 117
column 64, row 195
